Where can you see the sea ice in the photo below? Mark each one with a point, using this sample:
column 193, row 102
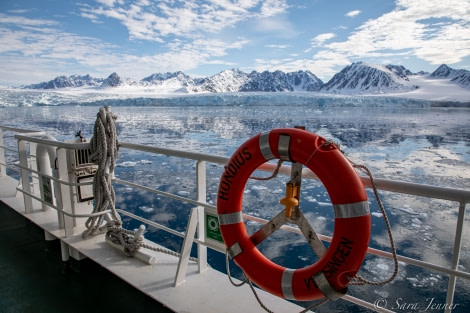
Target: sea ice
column 147, row 209
column 406, row 208
column 381, row 269
column 127, row 164
column 310, row 199
column 259, row 187
column 376, row 214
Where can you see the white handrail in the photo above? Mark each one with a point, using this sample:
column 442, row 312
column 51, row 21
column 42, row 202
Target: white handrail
column 451, row 194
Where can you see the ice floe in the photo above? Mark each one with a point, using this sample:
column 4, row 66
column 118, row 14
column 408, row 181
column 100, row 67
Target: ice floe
column 133, row 164
column 377, row 214
column 147, row 209
column 257, row 187
column 381, row 269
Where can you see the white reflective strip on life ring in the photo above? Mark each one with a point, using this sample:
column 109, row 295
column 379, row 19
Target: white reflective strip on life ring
column 230, row 218
column 325, row 287
column 286, row 284
column 351, row 209
column 234, row 250
column 283, row 147
column 264, row 146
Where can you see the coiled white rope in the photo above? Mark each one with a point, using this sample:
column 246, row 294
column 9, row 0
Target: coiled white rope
column 104, row 150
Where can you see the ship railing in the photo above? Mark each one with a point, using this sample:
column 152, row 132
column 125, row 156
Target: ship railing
column 24, row 137
column 12, row 130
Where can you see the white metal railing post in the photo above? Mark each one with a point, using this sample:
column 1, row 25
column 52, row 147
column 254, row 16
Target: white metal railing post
column 201, row 197
column 33, row 165
column 3, row 168
column 455, row 256
column 65, row 191
column 58, row 195
column 26, row 185
column 186, row 248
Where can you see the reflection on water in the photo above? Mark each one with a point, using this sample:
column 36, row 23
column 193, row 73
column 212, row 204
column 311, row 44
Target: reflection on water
column 416, row 144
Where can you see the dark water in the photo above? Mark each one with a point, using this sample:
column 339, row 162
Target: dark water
column 408, row 143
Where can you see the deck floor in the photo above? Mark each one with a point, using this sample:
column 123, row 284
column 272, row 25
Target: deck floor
column 34, row 279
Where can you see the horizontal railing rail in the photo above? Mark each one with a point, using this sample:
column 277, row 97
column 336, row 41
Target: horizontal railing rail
column 461, row 196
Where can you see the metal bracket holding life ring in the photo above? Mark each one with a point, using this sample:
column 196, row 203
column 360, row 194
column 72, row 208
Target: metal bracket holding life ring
column 330, row 275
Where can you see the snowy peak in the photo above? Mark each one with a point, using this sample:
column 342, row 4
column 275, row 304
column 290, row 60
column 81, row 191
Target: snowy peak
column 67, row 82
column 357, row 78
column 461, row 77
column 235, row 80
column 305, row 81
column 225, row 81
column 280, row 81
column 443, row 71
column 367, row 78
column 399, row 70
column 171, row 80
column 113, row 80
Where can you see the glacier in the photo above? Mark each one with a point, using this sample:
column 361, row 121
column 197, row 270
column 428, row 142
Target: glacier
column 30, row 98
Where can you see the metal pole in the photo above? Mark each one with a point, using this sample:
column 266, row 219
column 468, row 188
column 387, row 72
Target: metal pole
column 455, row 257
column 26, row 185
column 66, row 191
column 201, row 197
column 3, row 169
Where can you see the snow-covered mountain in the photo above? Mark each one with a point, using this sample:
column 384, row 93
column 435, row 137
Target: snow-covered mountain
column 280, row 81
column 357, row 78
column 176, row 80
column 225, row 81
column 461, row 77
column 368, row 78
column 235, row 80
column 65, row 82
column 232, row 80
column 113, row 80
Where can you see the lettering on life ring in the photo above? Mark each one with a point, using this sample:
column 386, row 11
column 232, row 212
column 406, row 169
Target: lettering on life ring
column 231, row 171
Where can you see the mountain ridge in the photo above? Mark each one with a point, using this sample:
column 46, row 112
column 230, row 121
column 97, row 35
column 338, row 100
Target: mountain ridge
column 356, row 78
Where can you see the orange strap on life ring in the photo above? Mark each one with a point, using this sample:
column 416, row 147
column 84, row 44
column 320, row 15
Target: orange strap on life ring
column 330, row 275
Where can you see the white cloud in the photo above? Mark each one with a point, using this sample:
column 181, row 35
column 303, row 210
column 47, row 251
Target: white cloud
column 277, row 46
column 273, row 7
column 108, row 3
column 353, row 13
column 320, row 39
column 40, row 46
column 24, row 21
column 432, row 30
column 151, row 21
column 278, row 26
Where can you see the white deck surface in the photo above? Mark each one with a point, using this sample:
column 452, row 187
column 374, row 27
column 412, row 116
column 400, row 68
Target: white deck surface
column 208, row 292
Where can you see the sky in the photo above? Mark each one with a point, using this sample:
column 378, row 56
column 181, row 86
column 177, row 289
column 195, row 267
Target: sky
column 40, row 40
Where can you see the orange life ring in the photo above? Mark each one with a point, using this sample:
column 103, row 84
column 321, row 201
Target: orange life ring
column 351, row 235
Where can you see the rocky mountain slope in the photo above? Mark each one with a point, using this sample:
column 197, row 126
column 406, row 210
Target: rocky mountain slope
column 357, row 78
